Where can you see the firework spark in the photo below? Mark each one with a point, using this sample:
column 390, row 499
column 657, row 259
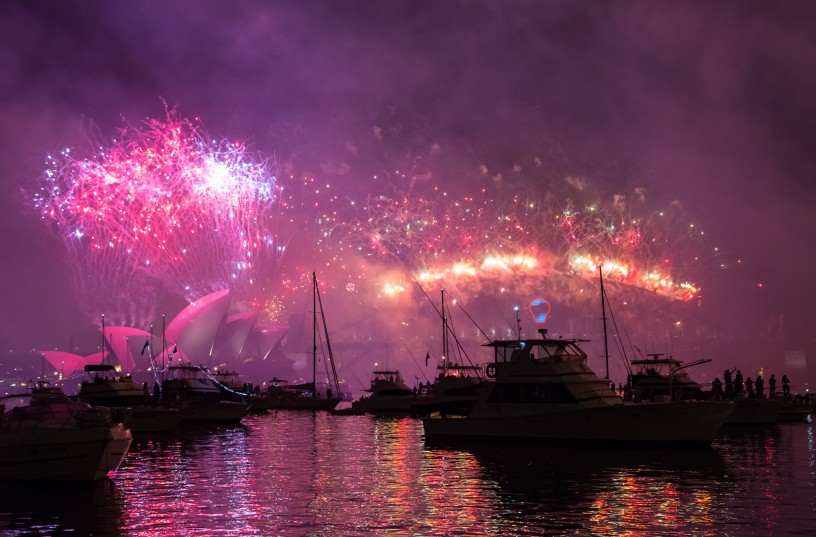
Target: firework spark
column 161, row 205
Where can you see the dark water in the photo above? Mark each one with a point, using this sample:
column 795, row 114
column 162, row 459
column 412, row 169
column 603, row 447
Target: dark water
column 294, row 473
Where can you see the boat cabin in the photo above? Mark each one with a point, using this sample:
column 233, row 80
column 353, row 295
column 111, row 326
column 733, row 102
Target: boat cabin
column 545, row 371
column 659, row 378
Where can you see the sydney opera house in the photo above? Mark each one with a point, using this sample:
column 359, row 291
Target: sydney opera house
column 207, row 332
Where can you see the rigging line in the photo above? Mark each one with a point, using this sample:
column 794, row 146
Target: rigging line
column 326, row 332
column 479, row 328
column 509, row 325
column 448, row 328
column 618, row 341
column 417, row 363
column 459, row 347
column 209, row 375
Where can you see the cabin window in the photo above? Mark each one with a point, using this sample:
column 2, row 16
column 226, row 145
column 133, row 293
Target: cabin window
column 530, row 393
column 503, row 354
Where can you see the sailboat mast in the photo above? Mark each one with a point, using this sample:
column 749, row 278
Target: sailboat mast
column 328, row 343
column 603, row 316
column 314, row 334
column 103, row 340
column 444, row 337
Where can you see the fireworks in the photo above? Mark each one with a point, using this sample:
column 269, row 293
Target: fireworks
column 521, row 244
column 161, row 205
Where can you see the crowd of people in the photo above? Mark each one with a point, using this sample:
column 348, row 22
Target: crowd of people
column 735, row 386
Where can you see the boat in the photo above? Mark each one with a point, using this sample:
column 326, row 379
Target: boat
column 660, row 378
column 456, row 387
column 543, row 389
column 190, row 388
column 55, row 438
column 131, row 403
column 281, row 395
column 388, row 395
column 798, row 408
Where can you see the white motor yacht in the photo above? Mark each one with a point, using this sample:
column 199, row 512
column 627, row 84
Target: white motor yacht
column 54, row 438
column 190, row 388
column 543, row 389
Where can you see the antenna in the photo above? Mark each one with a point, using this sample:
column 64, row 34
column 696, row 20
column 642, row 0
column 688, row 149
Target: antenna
column 518, row 321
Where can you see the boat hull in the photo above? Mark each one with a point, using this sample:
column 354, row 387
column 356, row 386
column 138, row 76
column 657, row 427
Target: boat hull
column 692, row 423
column 152, row 419
column 396, row 405
column 755, row 412
column 73, row 455
column 302, row 403
column 215, row 411
column 461, row 406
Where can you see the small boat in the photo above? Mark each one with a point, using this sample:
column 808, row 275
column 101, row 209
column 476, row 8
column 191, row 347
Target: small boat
column 190, row 388
column 457, row 386
column 307, row 396
column 55, row 438
column 796, row 409
column 131, row 403
column 543, row 389
column 388, row 395
column 280, row 395
column 455, row 390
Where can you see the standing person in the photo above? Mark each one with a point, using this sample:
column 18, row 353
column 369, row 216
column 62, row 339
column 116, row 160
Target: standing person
column 772, row 387
column 738, row 384
column 785, row 386
column 760, row 387
column 716, row 388
column 729, row 384
column 749, row 387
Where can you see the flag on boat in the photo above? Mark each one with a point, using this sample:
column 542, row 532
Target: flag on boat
column 427, row 357
column 147, row 344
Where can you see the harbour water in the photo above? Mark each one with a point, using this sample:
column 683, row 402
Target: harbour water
column 302, row 473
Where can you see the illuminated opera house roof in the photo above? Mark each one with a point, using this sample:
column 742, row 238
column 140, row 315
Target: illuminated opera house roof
column 206, row 332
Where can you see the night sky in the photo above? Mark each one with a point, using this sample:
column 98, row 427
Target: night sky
column 708, row 106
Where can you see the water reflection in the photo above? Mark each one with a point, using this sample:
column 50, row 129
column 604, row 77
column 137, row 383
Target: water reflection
column 303, row 473
column 607, row 491
column 28, row 509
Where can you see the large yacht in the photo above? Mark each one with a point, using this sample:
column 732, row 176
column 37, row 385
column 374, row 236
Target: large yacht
column 543, row 389
column 54, row 438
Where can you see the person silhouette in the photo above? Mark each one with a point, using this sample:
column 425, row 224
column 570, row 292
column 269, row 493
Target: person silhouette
column 729, row 383
column 738, row 384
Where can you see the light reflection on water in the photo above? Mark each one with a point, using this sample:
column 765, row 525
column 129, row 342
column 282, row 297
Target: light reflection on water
column 295, row 473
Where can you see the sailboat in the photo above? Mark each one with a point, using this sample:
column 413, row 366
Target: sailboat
column 457, row 385
column 282, row 395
